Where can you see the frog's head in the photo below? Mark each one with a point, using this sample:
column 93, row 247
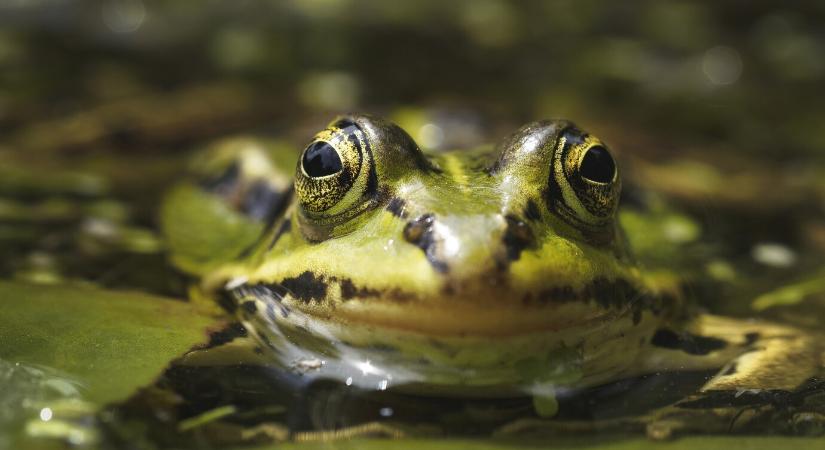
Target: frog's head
column 485, row 241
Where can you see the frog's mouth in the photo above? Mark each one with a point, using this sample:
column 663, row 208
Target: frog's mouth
column 478, row 352
column 486, row 314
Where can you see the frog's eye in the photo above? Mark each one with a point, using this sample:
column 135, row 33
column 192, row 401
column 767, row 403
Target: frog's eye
column 321, row 160
column 585, row 182
column 332, row 173
column 597, row 165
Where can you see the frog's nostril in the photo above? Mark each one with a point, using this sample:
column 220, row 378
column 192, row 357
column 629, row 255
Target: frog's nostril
column 517, row 237
column 421, row 232
column 417, row 230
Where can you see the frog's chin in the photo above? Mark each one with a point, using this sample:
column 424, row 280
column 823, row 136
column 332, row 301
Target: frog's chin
column 447, row 318
column 376, row 349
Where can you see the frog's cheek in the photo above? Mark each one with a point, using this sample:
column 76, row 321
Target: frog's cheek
column 227, row 197
column 202, row 231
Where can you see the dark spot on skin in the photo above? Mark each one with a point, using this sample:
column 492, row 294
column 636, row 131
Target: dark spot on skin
column 228, row 334
column 249, row 306
column 396, row 207
column 531, row 211
column 269, row 295
column 306, row 287
column 349, row 290
column 258, row 350
column 689, row 343
column 610, row 293
column 420, row 233
column 517, row 237
column 415, row 230
column 606, row 293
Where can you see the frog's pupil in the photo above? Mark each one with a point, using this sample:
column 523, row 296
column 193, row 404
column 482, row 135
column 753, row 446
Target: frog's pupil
column 597, row 165
column 321, row 160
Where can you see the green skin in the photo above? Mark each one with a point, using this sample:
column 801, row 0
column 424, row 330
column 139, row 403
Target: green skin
column 489, row 272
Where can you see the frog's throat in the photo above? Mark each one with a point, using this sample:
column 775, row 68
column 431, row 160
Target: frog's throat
column 573, row 352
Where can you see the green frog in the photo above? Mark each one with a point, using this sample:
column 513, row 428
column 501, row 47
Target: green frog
column 494, row 272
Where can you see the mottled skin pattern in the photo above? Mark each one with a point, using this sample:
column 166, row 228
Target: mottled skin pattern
column 486, row 271
column 473, row 230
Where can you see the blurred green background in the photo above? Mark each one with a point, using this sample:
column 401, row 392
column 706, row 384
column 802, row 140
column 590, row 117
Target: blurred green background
column 744, row 75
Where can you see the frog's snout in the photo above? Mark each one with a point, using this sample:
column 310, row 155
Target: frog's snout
column 466, row 247
column 423, row 233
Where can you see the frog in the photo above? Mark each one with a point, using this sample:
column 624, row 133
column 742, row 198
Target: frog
column 493, row 272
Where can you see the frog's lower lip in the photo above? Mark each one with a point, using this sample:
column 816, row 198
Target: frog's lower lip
column 465, row 319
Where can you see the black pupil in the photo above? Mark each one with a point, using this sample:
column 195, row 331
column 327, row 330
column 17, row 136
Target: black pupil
column 321, row 160
column 598, row 165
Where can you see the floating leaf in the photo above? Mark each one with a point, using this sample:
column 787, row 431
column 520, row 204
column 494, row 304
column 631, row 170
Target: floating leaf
column 112, row 342
column 99, row 346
